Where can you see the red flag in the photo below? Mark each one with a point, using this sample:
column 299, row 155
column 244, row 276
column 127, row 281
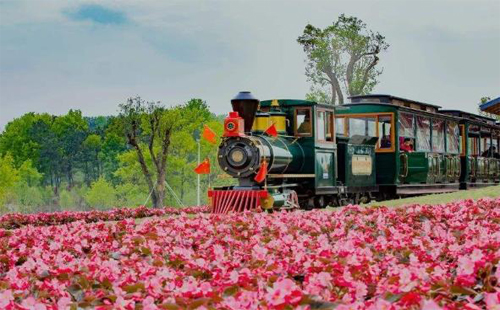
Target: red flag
column 272, row 131
column 203, row 168
column 261, row 175
column 209, row 135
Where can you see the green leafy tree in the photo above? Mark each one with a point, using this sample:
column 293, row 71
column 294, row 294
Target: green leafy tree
column 71, row 130
column 66, row 200
column 9, row 176
column 342, row 58
column 148, row 127
column 49, row 157
column 131, row 195
column 17, row 138
column 113, row 145
column 101, row 194
column 91, row 148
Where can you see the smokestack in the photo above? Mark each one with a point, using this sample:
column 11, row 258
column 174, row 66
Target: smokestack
column 246, row 105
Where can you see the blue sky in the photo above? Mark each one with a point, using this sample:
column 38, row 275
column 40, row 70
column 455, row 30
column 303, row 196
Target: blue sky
column 89, row 55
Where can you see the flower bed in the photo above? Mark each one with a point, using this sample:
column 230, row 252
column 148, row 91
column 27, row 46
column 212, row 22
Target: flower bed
column 16, row 220
column 418, row 257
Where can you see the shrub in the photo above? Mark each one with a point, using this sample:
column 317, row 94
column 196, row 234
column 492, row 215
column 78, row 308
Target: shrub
column 66, row 200
column 101, row 195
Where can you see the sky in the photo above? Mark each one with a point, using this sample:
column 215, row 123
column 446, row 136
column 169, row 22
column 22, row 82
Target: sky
column 92, row 55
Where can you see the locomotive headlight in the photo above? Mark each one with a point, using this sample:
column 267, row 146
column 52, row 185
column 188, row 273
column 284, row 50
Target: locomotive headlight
column 237, row 157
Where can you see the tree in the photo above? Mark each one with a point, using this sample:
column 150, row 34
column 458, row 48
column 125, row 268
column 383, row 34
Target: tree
column 71, row 130
column 101, row 194
column 91, row 149
column 9, row 175
column 341, row 58
column 148, row 127
column 17, row 138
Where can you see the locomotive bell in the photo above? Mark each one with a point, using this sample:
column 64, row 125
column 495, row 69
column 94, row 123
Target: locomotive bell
column 246, row 105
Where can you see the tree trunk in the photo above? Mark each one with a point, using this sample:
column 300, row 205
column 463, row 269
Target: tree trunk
column 335, row 86
column 339, row 93
column 146, row 172
column 333, row 101
column 161, row 168
column 350, row 73
column 160, row 191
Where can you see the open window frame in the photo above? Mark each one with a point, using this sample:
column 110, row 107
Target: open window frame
column 377, row 133
column 311, row 119
column 329, row 114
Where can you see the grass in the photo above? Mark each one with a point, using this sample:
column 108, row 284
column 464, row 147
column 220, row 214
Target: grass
column 492, row 191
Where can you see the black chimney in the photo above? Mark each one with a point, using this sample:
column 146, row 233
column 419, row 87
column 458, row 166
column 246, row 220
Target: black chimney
column 246, row 105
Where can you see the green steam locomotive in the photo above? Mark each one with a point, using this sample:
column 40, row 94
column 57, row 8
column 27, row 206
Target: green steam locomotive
column 376, row 147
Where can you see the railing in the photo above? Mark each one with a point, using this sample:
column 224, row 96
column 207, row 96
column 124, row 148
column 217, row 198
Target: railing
column 403, row 159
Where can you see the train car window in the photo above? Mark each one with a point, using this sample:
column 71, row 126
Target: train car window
column 321, row 124
column 452, row 137
column 385, row 132
column 495, row 144
column 356, row 126
column 473, row 146
column 371, row 126
column 329, row 127
column 437, row 135
column 485, row 146
column 363, row 126
column 303, row 122
column 406, row 125
column 340, row 126
column 473, row 128
column 423, row 134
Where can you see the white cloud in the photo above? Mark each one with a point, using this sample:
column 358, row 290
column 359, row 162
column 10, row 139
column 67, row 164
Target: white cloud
column 444, row 52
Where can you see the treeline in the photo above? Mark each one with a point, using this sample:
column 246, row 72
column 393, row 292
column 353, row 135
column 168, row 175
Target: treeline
column 50, row 162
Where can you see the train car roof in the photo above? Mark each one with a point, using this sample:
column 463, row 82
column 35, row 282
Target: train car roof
column 287, row 102
column 385, row 98
column 398, row 107
column 470, row 116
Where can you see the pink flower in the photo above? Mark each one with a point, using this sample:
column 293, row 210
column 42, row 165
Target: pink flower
column 476, row 255
column 430, row 304
column 465, row 266
column 492, row 301
column 149, row 303
column 284, row 291
column 6, row 298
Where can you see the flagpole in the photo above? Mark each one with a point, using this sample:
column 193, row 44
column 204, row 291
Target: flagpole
column 198, row 181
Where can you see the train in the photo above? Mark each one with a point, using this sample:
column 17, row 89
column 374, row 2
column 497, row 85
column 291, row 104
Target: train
column 376, row 147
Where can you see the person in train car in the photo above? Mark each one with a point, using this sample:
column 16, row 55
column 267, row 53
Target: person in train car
column 305, row 127
column 385, row 142
column 407, row 145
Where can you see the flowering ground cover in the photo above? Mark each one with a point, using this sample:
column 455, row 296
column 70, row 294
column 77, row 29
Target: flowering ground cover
column 16, row 220
column 418, row 257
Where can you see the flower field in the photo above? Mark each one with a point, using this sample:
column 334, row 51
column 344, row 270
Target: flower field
column 16, row 220
column 418, row 257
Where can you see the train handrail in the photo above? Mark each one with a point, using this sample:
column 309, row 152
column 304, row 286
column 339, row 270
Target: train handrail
column 450, row 166
column 431, row 169
column 405, row 156
column 458, row 164
column 438, row 166
column 472, row 166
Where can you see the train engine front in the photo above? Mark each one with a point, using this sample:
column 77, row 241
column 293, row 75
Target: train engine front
column 244, row 152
